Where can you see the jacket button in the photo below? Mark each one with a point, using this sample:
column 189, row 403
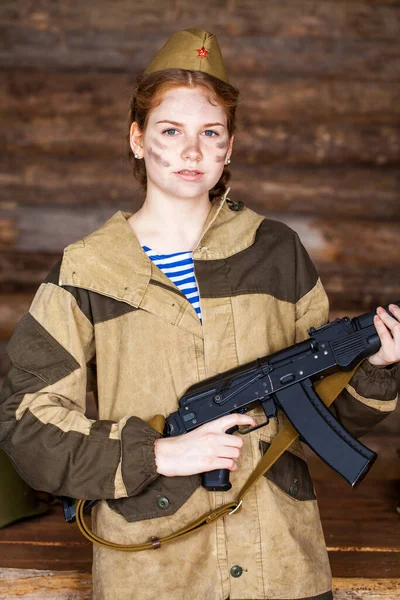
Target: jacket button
column 236, row 571
column 162, row 502
column 235, row 205
column 293, row 489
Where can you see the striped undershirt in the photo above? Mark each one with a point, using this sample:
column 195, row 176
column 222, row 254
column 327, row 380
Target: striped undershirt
column 179, row 267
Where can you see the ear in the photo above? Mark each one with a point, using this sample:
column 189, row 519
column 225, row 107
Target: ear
column 229, row 151
column 136, row 139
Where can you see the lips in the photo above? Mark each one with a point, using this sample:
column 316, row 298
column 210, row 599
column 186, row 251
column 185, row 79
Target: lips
column 189, row 175
column 188, row 172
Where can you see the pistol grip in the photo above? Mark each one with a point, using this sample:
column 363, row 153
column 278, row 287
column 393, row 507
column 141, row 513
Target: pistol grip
column 216, row 481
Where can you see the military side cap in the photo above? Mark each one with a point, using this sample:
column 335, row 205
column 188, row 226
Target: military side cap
column 192, row 49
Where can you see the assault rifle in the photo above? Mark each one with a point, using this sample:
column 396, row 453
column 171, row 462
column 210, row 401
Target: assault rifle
column 284, row 380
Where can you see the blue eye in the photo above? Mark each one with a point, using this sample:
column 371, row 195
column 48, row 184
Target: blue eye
column 168, row 131
column 210, row 131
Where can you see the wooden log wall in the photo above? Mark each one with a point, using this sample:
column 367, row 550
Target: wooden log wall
column 317, row 145
column 318, row 141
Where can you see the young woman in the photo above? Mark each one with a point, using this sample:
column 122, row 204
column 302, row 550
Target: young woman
column 189, row 286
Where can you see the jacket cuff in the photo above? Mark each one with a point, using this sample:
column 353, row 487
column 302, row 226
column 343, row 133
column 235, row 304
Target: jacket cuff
column 389, row 372
column 374, row 386
column 138, row 455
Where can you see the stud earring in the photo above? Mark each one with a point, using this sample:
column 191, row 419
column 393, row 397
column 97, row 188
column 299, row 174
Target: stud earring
column 228, row 161
column 136, row 155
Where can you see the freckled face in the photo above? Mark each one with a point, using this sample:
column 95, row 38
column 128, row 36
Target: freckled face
column 185, row 132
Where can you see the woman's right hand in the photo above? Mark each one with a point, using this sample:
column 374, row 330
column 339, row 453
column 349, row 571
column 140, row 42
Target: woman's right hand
column 206, row 448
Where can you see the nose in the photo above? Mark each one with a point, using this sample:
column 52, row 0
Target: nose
column 192, row 151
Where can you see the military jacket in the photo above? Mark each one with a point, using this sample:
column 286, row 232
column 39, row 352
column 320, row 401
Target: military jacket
column 106, row 320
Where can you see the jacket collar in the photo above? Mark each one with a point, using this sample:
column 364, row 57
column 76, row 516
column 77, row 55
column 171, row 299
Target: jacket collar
column 111, row 261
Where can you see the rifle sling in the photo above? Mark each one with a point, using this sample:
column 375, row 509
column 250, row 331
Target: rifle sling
column 327, row 389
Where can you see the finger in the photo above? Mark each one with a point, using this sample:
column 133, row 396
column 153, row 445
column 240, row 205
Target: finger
column 389, row 321
column 228, row 452
column 239, row 419
column 228, row 421
column 224, row 463
column 383, row 332
column 395, row 310
column 393, row 328
column 229, row 440
column 232, row 440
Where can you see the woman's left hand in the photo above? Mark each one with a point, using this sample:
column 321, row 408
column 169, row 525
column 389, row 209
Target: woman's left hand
column 388, row 329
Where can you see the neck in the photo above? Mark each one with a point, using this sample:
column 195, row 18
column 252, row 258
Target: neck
column 170, row 224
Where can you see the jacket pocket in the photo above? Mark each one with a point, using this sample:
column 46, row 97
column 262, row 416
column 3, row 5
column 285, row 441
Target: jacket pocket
column 290, row 473
column 161, row 498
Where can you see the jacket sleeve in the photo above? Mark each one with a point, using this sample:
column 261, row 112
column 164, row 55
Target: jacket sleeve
column 372, row 392
column 43, row 427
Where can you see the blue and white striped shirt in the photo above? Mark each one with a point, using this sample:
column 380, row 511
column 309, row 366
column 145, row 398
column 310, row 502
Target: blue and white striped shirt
column 179, row 267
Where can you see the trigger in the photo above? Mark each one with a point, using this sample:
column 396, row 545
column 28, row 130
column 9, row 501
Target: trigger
column 250, row 429
column 232, row 429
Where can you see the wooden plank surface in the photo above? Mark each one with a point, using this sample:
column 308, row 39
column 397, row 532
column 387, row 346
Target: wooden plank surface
column 360, row 288
column 50, row 48
column 292, row 18
column 33, row 584
column 36, row 584
column 42, row 95
column 365, row 589
column 45, row 543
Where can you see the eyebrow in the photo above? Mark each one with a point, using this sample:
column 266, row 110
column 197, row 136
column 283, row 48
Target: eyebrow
column 182, row 125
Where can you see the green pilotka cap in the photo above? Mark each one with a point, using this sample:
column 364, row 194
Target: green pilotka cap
column 17, row 499
column 192, row 49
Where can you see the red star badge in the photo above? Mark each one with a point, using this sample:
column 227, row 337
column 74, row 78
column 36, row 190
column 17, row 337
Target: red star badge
column 202, row 52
